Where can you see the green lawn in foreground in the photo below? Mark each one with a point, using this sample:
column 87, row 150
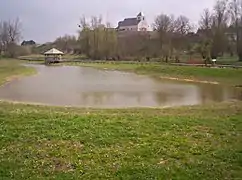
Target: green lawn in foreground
column 178, row 143
column 10, row 69
column 226, row 76
column 200, row 142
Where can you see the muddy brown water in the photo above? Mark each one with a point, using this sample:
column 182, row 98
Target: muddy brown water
column 89, row 87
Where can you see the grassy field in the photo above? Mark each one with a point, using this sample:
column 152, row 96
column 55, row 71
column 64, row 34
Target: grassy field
column 226, row 59
column 198, row 142
column 226, row 76
column 229, row 60
column 11, row 69
column 66, row 143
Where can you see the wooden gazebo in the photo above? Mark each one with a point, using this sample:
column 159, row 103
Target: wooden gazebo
column 53, row 56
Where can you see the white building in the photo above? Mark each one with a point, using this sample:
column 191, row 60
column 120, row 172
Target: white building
column 133, row 24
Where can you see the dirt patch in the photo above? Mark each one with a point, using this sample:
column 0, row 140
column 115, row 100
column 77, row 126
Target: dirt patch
column 189, row 80
column 9, row 79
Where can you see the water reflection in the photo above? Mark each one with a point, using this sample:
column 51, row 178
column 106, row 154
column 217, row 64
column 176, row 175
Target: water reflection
column 88, row 87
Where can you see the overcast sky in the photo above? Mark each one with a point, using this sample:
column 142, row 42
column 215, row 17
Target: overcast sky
column 45, row 20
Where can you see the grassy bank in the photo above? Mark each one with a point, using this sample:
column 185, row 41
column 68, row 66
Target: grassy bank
column 226, row 76
column 200, row 142
column 11, row 69
column 66, row 143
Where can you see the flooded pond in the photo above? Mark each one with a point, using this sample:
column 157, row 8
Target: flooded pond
column 89, row 87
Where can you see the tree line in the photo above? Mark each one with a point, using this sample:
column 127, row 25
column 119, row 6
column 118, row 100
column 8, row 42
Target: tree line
column 10, row 34
column 218, row 32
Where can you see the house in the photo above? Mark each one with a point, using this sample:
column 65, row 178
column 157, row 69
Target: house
column 28, row 43
column 137, row 23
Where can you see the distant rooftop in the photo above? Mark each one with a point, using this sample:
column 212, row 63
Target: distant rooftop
column 131, row 21
column 53, row 51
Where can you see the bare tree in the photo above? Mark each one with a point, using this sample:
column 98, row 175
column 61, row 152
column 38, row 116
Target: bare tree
column 180, row 39
column 164, row 26
column 182, row 25
column 96, row 22
column 97, row 40
column 235, row 8
column 84, row 39
column 4, row 36
column 14, row 30
column 83, row 23
column 66, row 43
column 164, row 23
column 206, row 20
column 1, row 37
column 219, row 26
column 221, row 14
column 10, row 34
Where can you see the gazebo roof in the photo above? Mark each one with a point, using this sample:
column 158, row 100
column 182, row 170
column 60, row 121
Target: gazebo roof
column 53, row 51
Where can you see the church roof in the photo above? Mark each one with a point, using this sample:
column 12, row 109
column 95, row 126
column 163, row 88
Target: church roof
column 129, row 22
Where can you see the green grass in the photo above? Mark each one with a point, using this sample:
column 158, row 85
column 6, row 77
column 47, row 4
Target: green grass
column 11, row 69
column 198, row 142
column 225, row 59
column 33, row 56
column 226, row 76
column 229, row 60
column 201, row 142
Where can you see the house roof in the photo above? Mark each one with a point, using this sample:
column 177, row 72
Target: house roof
column 129, row 22
column 26, row 43
column 53, row 51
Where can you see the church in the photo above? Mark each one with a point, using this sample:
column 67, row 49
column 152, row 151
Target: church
column 137, row 23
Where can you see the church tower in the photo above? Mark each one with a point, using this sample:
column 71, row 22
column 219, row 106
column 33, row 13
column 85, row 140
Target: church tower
column 140, row 17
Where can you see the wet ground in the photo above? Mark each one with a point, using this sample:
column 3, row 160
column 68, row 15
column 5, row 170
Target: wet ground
column 88, row 87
